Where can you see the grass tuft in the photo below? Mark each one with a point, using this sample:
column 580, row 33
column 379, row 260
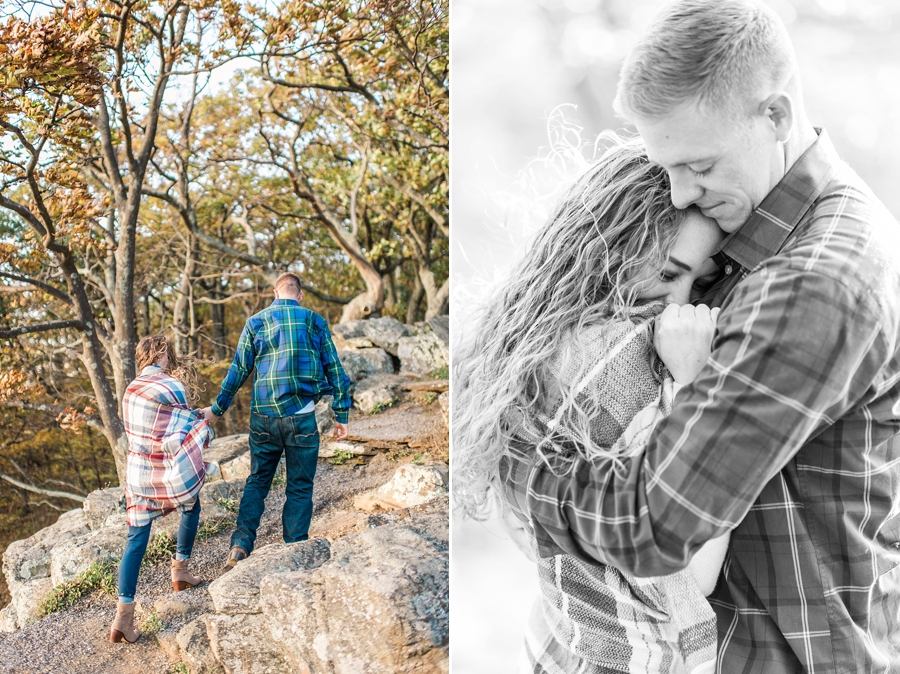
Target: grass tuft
column 162, row 546
column 99, row 576
column 213, row 526
column 151, row 624
column 228, row 504
column 440, row 373
column 340, row 456
column 377, row 408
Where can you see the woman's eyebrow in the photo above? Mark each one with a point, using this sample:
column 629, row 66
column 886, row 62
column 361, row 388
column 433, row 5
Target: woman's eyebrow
column 679, row 263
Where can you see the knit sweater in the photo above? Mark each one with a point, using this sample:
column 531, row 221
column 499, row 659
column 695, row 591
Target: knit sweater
column 594, row 618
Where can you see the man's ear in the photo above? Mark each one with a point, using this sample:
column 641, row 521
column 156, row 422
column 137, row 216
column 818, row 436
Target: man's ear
column 778, row 108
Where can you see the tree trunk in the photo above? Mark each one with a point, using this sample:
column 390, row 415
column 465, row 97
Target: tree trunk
column 412, row 307
column 183, row 305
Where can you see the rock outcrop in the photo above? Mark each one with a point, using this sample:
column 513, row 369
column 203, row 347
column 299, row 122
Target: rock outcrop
column 392, row 579
column 411, row 485
column 368, row 593
column 26, row 566
column 422, row 353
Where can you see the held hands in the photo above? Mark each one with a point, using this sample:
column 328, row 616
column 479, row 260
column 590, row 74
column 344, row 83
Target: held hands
column 683, row 339
column 341, row 431
column 208, row 415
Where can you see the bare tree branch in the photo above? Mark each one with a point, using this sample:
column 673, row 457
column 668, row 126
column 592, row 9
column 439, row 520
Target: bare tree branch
column 42, row 327
column 44, row 492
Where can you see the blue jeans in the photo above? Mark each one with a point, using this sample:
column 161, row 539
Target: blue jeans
column 298, row 437
column 136, row 546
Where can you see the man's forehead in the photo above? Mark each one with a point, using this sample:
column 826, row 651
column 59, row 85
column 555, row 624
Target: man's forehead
column 679, row 140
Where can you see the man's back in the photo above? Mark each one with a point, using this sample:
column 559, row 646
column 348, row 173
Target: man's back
column 812, row 577
column 295, row 362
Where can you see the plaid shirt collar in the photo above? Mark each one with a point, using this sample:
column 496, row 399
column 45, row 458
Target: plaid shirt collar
column 284, row 303
column 769, row 226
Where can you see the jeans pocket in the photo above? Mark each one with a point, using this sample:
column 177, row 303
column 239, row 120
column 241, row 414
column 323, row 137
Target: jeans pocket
column 259, row 428
column 304, row 431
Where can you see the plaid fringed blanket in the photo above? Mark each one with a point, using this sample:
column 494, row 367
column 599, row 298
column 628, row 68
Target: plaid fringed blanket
column 166, row 439
column 592, row 618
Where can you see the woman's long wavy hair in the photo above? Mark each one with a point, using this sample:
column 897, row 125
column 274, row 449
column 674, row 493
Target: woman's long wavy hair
column 608, row 237
column 151, row 349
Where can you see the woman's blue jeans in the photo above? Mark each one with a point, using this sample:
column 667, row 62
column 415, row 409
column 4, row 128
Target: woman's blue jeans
column 297, row 436
column 136, row 546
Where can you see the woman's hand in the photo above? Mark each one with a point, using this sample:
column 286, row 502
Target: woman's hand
column 683, row 339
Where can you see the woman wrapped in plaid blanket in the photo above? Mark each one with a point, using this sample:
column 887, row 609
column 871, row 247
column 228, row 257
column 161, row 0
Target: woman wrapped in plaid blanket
column 562, row 364
column 165, row 468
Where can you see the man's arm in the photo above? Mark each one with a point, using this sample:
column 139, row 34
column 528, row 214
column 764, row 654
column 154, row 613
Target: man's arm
column 795, row 350
column 339, row 381
column 240, row 369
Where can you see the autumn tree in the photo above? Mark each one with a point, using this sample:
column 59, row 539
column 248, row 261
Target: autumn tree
column 356, row 117
column 80, row 108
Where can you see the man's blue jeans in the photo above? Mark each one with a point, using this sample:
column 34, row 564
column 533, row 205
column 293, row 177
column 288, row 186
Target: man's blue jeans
column 136, row 546
column 298, row 437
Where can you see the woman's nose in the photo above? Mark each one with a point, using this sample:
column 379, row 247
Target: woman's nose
column 679, row 293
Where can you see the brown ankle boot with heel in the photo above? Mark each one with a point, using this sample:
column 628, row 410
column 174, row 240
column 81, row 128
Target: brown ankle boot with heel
column 182, row 579
column 123, row 625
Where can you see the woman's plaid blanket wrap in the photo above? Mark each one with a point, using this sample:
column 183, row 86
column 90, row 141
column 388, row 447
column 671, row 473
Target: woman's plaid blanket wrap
column 166, row 439
column 592, row 618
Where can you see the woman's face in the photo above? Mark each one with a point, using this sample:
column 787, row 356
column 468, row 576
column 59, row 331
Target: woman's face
column 689, row 271
column 163, row 360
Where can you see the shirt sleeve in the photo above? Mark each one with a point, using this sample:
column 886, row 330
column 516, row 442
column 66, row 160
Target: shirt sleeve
column 337, row 378
column 240, row 369
column 794, row 350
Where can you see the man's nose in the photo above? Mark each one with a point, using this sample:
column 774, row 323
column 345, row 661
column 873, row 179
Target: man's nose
column 685, row 189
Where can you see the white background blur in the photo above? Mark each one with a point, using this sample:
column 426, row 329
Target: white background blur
column 513, row 63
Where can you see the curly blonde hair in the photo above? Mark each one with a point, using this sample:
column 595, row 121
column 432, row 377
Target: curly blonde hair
column 587, row 265
column 150, row 351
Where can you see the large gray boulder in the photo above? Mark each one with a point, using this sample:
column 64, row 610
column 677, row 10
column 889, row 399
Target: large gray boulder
column 385, row 332
column 325, row 416
column 190, row 646
column 361, row 363
column 377, row 392
column 243, row 645
column 349, row 329
column 380, row 606
column 231, row 454
column 75, row 555
column 441, row 327
column 24, row 607
column 422, row 353
column 409, row 486
column 238, row 590
column 444, row 402
column 101, row 503
column 26, row 567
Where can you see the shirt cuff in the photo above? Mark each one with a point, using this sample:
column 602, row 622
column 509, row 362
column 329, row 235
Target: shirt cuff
column 342, row 417
column 218, row 411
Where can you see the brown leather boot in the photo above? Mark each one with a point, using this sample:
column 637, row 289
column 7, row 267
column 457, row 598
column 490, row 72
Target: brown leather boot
column 182, row 579
column 123, row 625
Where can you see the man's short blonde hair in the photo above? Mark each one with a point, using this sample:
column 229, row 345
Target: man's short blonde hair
column 288, row 282
column 718, row 54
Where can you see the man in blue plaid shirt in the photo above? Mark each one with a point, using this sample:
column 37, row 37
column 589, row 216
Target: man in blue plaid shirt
column 295, row 364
